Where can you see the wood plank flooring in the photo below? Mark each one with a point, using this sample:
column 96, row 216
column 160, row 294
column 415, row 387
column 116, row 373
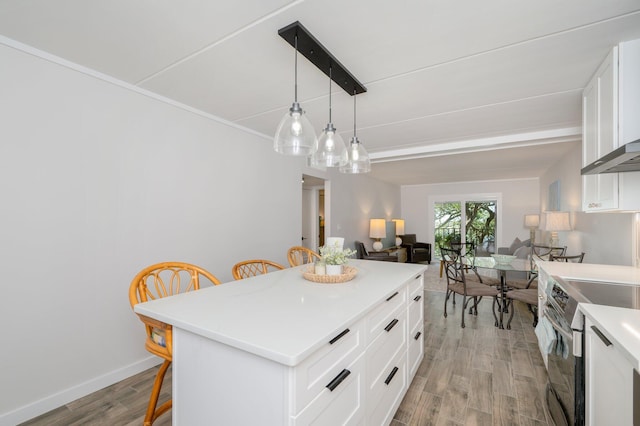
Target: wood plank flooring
column 478, row 375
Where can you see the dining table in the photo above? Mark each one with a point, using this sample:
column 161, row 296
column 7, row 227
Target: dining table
column 517, row 265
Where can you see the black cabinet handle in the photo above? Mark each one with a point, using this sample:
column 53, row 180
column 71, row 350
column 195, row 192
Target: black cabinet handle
column 390, row 376
column 392, row 296
column 338, row 337
column 338, row 379
column 417, row 298
column 602, row 337
column 391, row 325
column 417, row 277
column 417, row 336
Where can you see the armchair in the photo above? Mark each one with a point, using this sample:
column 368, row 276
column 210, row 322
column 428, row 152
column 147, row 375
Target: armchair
column 416, row 252
column 362, row 253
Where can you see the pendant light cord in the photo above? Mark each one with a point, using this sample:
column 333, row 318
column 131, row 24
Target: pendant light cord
column 354, row 113
column 295, row 90
column 329, row 93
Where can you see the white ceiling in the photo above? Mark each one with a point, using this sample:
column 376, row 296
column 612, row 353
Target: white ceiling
column 458, row 90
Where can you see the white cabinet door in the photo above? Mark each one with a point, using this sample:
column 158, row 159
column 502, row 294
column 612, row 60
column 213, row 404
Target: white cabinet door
column 609, row 381
column 600, row 134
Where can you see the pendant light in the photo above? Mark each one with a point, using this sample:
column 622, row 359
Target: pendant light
column 295, row 134
column 358, row 159
column 331, row 150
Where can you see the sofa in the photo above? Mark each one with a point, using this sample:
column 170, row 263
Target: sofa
column 417, row 252
column 519, row 249
column 362, row 253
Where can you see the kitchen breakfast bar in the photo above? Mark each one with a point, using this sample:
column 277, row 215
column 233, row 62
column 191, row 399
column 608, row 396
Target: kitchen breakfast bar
column 277, row 349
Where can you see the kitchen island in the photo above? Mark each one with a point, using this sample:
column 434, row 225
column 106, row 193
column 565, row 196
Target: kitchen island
column 277, row 349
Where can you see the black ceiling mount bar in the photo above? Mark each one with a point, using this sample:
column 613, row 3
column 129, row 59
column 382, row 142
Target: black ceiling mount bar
column 315, row 52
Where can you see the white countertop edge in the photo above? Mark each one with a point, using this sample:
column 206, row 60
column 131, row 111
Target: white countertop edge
column 155, row 309
column 621, row 326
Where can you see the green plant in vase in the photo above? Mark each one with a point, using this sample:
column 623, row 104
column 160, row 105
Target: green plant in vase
column 334, row 257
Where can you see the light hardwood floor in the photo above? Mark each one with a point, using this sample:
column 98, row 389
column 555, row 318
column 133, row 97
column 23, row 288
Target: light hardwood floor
column 478, row 375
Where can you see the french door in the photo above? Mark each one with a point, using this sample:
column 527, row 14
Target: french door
column 466, row 221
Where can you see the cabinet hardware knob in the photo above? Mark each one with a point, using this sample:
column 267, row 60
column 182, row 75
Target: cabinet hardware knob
column 338, row 379
column 338, row 337
column 417, row 336
column 417, row 298
column 390, row 376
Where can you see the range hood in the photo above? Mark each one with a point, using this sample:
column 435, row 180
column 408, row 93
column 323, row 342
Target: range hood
column 624, row 159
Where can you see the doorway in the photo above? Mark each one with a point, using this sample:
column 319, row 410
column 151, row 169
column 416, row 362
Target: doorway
column 313, row 212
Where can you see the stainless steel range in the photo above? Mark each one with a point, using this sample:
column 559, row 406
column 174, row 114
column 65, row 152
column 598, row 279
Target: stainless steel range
column 566, row 391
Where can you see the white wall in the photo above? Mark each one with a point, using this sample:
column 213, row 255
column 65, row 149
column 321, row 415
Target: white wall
column 606, row 238
column 519, row 197
column 354, row 200
column 99, row 180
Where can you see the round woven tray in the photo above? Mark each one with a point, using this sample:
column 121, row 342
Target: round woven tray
column 349, row 272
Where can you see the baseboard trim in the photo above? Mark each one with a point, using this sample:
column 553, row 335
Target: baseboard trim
column 65, row 396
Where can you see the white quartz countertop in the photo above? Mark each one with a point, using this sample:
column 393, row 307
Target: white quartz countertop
column 592, row 272
column 280, row 315
column 621, row 326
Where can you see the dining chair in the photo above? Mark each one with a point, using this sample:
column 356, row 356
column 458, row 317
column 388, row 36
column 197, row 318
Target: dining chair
column 298, row 255
column 468, row 289
column 538, row 252
column 578, row 258
column 251, row 268
column 466, row 253
column 528, row 296
column 155, row 282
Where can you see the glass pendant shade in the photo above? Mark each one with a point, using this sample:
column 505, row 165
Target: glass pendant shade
column 295, row 134
column 331, row 150
column 358, row 158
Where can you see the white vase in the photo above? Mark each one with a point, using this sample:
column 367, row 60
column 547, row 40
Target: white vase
column 334, row 269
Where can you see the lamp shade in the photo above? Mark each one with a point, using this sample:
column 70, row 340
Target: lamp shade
column 557, row 221
column 531, row 220
column 377, row 228
column 399, row 226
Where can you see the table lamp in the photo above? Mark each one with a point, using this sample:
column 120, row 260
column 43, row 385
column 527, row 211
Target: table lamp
column 399, row 230
column 377, row 230
column 554, row 222
column 532, row 221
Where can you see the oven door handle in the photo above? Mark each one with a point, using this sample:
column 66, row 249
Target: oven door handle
column 557, row 327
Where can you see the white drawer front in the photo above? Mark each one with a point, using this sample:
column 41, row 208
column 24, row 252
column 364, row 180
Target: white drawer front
column 416, row 286
column 342, row 406
column 386, row 347
column 385, row 396
column 378, row 319
column 416, row 349
column 315, row 372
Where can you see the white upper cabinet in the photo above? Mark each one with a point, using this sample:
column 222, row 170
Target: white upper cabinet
column 610, row 111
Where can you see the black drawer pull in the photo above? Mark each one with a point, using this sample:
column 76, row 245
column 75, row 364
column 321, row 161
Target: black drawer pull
column 417, row 336
column 602, row 337
column 338, row 337
column 417, row 298
column 390, row 376
column 391, row 325
column 338, row 379
column 418, row 277
column 392, row 296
